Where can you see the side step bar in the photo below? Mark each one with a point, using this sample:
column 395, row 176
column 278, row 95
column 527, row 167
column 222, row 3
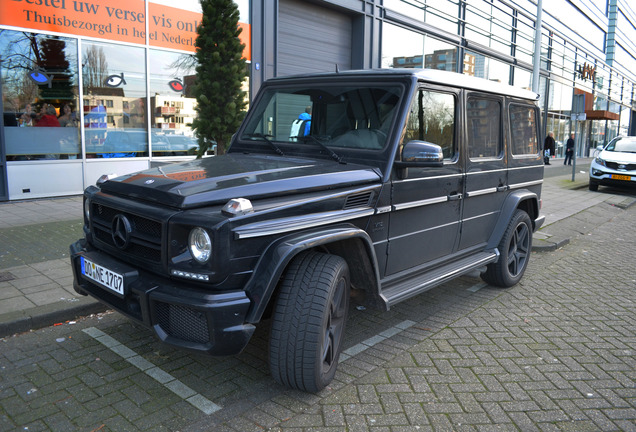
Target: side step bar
column 407, row 288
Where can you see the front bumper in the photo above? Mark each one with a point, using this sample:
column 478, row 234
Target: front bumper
column 605, row 176
column 180, row 315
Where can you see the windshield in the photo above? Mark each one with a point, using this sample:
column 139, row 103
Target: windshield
column 334, row 115
column 624, row 144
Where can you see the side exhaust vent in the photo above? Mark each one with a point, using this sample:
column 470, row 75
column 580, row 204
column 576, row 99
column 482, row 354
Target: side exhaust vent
column 358, row 200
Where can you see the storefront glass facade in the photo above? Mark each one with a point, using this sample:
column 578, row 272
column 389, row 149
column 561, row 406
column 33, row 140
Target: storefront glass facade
column 90, row 88
column 40, row 98
column 495, row 41
column 117, row 77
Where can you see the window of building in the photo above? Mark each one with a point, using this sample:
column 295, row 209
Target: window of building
column 559, row 108
column 571, row 17
column 402, row 48
column 626, row 114
column 39, row 96
column 483, row 117
column 432, row 119
column 110, row 75
column 172, row 104
column 524, row 50
column 523, row 123
column 445, row 17
column 488, row 68
column 523, row 78
column 598, row 136
column 489, row 25
column 601, row 88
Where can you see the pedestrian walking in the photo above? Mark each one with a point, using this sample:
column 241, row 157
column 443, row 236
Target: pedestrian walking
column 569, row 150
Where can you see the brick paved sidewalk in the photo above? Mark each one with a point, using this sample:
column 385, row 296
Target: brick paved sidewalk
column 35, row 276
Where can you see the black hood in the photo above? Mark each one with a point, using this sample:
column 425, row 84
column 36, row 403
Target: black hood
column 216, row 180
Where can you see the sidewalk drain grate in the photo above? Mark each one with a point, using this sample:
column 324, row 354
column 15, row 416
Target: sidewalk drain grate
column 6, row 277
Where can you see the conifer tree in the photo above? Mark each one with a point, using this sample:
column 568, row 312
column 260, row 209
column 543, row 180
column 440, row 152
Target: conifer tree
column 221, row 71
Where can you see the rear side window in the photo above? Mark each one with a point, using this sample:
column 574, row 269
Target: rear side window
column 432, row 119
column 523, row 127
column 483, row 117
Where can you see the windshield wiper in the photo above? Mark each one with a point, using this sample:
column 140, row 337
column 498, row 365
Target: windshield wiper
column 267, row 139
column 318, row 141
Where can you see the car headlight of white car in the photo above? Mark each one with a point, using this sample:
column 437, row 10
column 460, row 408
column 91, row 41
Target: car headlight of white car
column 600, row 161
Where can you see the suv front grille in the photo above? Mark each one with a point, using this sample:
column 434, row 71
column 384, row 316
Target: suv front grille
column 145, row 235
column 614, row 166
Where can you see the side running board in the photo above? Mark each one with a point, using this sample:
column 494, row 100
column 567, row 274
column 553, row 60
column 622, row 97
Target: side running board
column 409, row 287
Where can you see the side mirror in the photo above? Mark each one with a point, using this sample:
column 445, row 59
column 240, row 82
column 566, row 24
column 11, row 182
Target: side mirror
column 420, row 154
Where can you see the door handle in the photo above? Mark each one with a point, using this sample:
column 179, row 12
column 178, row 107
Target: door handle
column 502, row 188
column 455, row 197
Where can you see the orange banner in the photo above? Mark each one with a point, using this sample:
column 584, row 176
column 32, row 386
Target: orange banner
column 118, row 20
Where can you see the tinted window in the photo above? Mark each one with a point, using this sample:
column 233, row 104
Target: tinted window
column 432, row 118
column 523, row 125
column 483, row 118
column 339, row 115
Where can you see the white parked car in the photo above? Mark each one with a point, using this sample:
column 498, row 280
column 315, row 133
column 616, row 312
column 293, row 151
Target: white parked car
column 615, row 165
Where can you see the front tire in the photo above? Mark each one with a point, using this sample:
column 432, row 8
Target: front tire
column 593, row 186
column 515, row 248
column 309, row 321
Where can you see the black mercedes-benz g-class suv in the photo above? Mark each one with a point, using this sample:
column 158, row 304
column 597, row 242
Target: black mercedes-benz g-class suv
column 395, row 182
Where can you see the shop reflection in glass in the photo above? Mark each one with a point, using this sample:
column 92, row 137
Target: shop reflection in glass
column 114, row 105
column 40, row 78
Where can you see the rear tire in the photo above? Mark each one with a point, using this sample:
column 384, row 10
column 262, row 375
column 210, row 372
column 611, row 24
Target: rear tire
column 309, row 321
column 515, row 248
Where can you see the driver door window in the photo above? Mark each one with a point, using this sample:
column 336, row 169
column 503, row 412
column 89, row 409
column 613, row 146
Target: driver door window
column 432, row 119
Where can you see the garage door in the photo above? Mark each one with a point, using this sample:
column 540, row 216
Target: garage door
column 312, row 38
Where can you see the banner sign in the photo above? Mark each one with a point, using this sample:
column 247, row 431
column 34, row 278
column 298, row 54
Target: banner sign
column 118, row 20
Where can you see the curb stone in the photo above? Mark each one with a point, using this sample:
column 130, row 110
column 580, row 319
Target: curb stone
column 44, row 316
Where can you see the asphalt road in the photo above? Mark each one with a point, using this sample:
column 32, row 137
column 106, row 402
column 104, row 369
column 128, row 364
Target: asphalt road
column 555, row 352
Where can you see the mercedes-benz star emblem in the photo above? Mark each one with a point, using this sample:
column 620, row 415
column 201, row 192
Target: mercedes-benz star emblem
column 121, row 231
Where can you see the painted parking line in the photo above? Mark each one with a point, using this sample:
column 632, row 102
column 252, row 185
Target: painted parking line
column 170, row 382
column 477, row 287
column 366, row 344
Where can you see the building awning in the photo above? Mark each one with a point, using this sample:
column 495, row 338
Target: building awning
column 601, row 115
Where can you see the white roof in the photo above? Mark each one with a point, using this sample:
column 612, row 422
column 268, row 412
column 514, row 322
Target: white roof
column 467, row 81
column 451, row 79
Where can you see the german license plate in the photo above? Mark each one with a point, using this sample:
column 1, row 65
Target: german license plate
column 107, row 278
column 620, row 177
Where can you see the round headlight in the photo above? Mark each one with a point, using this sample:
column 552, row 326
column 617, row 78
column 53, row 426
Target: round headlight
column 87, row 209
column 200, row 245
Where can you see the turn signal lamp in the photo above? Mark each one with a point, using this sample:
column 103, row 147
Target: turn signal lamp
column 237, row 207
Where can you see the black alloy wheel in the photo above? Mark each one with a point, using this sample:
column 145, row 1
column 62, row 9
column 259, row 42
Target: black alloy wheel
column 515, row 248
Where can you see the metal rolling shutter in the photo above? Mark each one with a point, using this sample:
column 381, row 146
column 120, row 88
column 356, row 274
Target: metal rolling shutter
column 312, row 38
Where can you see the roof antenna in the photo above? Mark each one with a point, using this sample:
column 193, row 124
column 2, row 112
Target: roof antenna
column 337, row 70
